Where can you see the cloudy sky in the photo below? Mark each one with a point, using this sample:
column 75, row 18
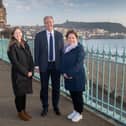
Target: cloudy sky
column 31, row 12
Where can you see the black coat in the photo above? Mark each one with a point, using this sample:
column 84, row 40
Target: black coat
column 22, row 63
column 73, row 66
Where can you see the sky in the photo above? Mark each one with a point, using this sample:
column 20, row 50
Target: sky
column 31, row 12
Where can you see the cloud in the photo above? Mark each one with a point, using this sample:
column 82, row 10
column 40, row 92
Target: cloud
column 34, row 10
column 5, row 3
column 17, row 4
column 27, row 8
column 47, row 3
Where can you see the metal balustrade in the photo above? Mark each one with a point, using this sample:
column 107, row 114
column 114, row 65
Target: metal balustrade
column 106, row 80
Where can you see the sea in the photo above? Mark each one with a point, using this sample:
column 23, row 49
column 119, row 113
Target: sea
column 106, row 44
column 100, row 44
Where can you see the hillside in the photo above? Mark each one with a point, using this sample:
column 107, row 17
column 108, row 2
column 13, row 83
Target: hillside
column 111, row 27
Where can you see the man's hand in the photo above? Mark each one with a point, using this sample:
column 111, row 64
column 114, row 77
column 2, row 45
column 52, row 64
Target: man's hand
column 36, row 69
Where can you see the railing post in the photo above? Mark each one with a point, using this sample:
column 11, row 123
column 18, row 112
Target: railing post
column 103, row 77
column 97, row 75
column 109, row 77
column 116, row 79
column 122, row 84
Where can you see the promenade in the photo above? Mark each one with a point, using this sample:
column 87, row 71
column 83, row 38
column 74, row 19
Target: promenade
column 8, row 114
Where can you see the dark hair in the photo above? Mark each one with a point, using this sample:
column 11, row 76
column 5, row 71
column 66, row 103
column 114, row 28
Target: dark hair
column 71, row 32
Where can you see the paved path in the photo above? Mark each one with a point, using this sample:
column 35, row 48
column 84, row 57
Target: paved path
column 8, row 114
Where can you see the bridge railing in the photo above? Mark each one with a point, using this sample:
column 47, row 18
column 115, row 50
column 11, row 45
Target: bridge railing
column 106, row 80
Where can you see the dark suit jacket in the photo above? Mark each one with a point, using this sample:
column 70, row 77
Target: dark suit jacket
column 73, row 66
column 41, row 50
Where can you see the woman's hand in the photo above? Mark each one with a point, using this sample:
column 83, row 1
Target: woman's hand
column 29, row 74
column 67, row 77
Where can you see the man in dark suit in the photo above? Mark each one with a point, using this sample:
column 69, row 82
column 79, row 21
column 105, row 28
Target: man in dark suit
column 48, row 51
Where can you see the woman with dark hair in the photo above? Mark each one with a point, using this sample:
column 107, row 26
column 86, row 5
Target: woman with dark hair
column 74, row 73
column 21, row 71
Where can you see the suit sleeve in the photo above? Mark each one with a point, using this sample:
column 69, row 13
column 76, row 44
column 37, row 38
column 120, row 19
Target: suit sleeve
column 36, row 50
column 62, row 45
column 14, row 60
column 79, row 63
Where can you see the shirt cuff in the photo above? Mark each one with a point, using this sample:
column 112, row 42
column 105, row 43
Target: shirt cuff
column 36, row 67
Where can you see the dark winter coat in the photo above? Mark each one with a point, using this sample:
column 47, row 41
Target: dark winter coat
column 72, row 65
column 22, row 63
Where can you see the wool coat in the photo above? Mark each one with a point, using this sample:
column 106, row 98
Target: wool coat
column 22, row 63
column 73, row 66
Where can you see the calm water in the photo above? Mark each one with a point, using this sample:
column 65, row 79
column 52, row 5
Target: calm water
column 107, row 44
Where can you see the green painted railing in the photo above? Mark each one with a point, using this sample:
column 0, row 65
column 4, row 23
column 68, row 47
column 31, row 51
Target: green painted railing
column 106, row 80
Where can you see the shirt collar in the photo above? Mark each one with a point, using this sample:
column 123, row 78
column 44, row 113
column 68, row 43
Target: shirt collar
column 48, row 33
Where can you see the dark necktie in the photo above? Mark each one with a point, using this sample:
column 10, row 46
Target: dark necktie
column 51, row 47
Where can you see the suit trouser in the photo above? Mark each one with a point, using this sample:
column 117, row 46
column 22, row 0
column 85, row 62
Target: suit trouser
column 77, row 100
column 55, row 80
column 20, row 102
